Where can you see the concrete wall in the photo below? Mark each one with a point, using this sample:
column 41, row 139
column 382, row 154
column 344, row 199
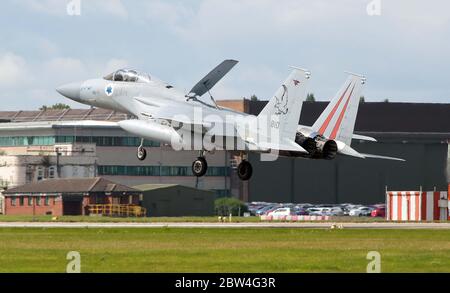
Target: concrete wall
column 349, row 179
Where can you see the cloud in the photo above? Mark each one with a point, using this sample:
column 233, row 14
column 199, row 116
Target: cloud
column 59, row 7
column 109, row 7
column 13, row 69
column 114, row 64
column 51, row 7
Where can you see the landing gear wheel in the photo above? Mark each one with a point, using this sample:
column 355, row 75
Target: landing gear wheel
column 141, row 153
column 245, row 170
column 199, row 167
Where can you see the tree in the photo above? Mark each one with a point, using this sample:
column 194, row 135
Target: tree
column 386, row 100
column 253, row 98
column 57, row 106
column 362, row 99
column 225, row 206
column 310, row 97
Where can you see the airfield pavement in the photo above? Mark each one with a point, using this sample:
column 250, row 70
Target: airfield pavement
column 314, row 225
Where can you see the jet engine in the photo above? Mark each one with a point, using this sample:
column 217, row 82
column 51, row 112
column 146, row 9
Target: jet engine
column 308, row 143
column 318, row 147
column 327, row 148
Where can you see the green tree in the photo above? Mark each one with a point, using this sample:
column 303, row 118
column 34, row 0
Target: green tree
column 310, row 97
column 386, row 100
column 254, row 98
column 362, row 99
column 225, row 206
column 57, row 106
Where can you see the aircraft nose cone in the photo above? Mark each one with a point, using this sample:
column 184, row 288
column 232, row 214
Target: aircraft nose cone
column 70, row 90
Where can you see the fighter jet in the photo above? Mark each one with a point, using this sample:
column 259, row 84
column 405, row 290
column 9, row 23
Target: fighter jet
column 189, row 122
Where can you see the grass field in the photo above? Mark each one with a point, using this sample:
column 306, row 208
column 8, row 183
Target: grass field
column 223, row 250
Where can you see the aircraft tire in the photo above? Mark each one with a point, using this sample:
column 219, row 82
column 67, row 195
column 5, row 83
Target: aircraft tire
column 245, row 170
column 199, row 167
column 141, row 153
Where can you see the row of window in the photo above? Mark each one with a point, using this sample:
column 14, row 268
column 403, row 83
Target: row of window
column 30, row 200
column 51, row 140
column 157, row 171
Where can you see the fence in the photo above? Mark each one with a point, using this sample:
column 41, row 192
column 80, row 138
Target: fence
column 117, row 210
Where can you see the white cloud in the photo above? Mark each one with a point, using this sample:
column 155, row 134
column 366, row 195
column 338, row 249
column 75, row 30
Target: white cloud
column 64, row 68
column 110, row 7
column 169, row 13
column 59, row 7
column 13, row 69
column 51, row 7
column 114, row 64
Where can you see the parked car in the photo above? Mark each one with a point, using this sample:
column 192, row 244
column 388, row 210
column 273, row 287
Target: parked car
column 300, row 212
column 335, row 212
column 379, row 212
column 264, row 210
column 280, row 212
column 361, row 212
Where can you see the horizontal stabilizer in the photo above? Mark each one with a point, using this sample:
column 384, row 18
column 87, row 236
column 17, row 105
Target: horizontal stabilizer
column 363, row 137
column 382, row 157
column 210, row 80
column 349, row 151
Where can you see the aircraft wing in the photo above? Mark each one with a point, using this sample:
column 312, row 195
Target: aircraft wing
column 210, row 80
column 180, row 113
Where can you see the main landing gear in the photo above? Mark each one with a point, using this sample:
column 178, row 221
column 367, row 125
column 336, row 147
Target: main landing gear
column 200, row 166
column 244, row 170
column 141, row 152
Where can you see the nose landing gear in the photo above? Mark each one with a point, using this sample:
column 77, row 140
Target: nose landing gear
column 141, row 152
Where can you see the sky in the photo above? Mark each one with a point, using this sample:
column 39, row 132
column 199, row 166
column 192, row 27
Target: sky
column 402, row 46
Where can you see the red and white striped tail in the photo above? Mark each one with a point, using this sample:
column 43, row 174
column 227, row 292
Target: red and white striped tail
column 295, row 218
column 415, row 205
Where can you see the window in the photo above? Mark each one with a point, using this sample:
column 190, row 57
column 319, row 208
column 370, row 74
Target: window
column 21, row 201
column 40, row 174
column 51, row 172
column 157, row 171
column 47, row 200
column 13, row 200
column 38, row 200
column 30, row 200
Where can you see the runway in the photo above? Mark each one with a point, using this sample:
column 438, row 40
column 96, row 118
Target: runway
column 310, row 225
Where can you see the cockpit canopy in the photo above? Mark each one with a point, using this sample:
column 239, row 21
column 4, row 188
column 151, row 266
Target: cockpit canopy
column 128, row 75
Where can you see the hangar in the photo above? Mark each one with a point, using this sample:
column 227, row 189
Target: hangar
column 419, row 133
column 173, row 200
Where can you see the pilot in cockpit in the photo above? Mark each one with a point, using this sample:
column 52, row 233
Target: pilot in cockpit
column 128, row 75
